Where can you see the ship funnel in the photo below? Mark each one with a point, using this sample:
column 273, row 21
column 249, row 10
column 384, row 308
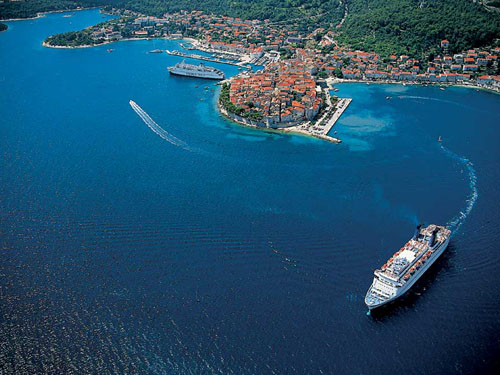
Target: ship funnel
column 417, row 231
column 432, row 240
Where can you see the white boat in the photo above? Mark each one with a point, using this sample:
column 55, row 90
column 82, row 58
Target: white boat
column 407, row 265
column 198, row 71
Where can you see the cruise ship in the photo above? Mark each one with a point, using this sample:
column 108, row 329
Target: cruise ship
column 199, row 71
column 407, row 265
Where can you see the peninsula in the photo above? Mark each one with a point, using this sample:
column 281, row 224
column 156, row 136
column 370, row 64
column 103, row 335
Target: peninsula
column 282, row 96
column 302, row 62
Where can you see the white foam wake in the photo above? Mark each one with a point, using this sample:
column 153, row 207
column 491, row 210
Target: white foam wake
column 155, row 127
column 456, row 222
column 426, row 98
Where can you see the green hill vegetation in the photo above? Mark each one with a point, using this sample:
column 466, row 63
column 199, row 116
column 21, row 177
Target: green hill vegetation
column 301, row 12
column 72, row 39
column 417, row 26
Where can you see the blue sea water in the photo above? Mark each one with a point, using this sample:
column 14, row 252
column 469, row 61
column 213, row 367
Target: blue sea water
column 245, row 252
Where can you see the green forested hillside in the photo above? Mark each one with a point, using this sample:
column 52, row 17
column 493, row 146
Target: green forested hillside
column 72, row 39
column 415, row 26
column 275, row 10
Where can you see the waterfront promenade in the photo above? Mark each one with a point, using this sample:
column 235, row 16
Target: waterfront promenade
column 325, row 123
column 328, row 121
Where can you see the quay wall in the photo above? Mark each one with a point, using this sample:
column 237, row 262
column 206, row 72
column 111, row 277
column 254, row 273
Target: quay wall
column 257, row 124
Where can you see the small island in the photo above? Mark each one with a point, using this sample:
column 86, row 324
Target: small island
column 3, row 27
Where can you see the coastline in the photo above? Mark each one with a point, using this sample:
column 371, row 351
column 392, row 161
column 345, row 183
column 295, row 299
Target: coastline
column 47, row 45
column 332, row 81
column 295, row 129
column 42, row 14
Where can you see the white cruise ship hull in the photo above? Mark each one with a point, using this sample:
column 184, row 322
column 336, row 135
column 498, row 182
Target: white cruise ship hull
column 191, row 73
column 403, row 289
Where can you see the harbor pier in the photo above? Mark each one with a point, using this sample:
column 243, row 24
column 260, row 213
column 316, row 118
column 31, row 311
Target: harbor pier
column 207, row 58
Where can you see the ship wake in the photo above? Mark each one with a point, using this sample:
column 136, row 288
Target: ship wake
column 415, row 97
column 157, row 129
column 456, row 222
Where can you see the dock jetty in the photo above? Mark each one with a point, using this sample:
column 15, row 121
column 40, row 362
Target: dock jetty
column 325, row 123
column 331, row 117
column 207, row 58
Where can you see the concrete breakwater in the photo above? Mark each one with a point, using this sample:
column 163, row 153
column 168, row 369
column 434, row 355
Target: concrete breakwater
column 326, row 124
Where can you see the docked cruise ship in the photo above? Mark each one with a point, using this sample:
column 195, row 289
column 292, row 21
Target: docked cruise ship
column 199, row 71
column 407, row 265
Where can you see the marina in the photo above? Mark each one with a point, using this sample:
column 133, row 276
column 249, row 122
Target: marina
column 206, row 58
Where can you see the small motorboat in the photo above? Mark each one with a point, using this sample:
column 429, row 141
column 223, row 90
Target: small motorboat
column 440, row 139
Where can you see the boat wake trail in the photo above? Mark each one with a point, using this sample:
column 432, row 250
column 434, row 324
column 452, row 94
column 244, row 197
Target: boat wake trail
column 157, row 128
column 426, row 98
column 456, row 222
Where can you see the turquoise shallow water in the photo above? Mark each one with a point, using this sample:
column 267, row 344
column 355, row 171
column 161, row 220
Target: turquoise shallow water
column 245, row 251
